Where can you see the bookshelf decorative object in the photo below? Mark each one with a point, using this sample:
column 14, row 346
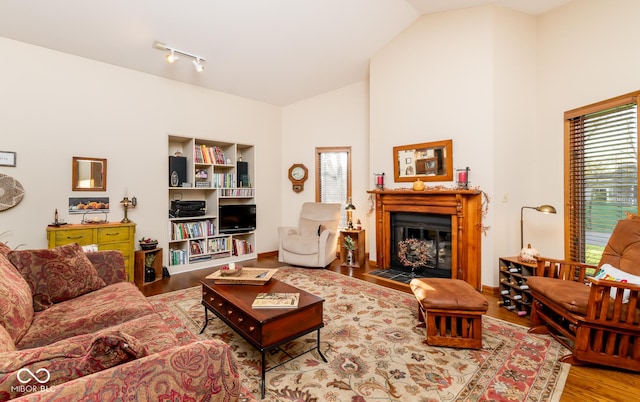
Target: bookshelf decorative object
column 514, row 291
column 213, row 179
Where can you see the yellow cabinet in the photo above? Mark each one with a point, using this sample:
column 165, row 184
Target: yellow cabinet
column 108, row 236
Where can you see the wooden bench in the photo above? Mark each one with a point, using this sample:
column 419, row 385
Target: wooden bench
column 451, row 310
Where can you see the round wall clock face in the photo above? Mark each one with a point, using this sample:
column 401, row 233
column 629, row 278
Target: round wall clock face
column 298, row 174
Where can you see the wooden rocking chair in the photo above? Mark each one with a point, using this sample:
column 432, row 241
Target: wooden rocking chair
column 598, row 320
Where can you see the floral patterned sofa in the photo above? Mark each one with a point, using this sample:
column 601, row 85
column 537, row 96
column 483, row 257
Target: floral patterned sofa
column 72, row 328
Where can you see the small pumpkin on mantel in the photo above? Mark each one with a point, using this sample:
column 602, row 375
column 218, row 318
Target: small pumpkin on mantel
column 529, row 254
column 418, row 185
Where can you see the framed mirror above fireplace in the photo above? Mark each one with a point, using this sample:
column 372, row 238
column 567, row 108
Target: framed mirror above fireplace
column 428, row 161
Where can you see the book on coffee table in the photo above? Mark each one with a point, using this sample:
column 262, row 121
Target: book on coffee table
column 276, row 300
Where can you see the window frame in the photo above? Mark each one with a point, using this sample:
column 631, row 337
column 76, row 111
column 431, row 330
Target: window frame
column 630, row 98
column 319, row 151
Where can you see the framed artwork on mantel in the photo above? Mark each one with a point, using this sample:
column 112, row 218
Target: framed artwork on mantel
column 427, row 161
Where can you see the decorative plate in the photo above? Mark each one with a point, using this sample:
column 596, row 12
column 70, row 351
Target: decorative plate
column 11, row 192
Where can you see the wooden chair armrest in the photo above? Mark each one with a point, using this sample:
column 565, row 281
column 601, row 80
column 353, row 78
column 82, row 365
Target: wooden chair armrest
column 613, row 303
column 565, row 269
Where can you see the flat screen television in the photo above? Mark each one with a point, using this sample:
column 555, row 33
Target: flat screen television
column 236, row 218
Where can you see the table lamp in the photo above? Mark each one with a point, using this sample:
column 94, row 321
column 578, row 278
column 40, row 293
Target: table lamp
column 350, row 208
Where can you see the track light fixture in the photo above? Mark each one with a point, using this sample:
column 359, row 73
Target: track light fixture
column 199, row 67
column 172, row 57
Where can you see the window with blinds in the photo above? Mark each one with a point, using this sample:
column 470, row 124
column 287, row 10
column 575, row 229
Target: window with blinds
column 333, row 177
column 602, row 176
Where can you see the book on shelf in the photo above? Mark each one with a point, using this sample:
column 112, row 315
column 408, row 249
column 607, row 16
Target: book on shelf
column 276, row 300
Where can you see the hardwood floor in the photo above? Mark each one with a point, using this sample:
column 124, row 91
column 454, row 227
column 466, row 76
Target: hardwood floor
column 584, row 383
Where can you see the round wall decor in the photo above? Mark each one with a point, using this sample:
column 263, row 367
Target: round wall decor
column 11, row 192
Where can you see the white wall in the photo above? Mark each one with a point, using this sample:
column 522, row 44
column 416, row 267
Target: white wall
column 54, row 106
column 334, row 119
column 435, row 82
column 587, row 53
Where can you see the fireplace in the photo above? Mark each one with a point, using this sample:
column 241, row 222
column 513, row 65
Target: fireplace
column 421, row 244
column 435, row 232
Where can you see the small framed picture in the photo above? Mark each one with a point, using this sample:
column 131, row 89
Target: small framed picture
column 7, row 158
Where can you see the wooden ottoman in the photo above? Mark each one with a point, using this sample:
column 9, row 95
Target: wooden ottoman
column 452, row 311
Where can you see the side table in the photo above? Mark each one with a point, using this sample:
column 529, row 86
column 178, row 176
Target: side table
column 140, row 264
column 358, row 236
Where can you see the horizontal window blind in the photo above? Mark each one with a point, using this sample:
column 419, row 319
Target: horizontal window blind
column 333, row 179
column 602, row 176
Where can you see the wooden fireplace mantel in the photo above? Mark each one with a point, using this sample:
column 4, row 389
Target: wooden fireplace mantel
column 465, row 209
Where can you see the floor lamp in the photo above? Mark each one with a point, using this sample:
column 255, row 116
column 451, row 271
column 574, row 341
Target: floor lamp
column 545, row 209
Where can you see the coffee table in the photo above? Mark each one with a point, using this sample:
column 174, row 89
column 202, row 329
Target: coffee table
column 265, row 329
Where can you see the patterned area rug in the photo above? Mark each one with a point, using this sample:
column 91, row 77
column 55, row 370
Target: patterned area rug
column 376, row 353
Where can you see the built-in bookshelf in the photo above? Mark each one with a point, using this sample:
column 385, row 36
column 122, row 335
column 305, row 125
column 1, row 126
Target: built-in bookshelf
column 216, row 173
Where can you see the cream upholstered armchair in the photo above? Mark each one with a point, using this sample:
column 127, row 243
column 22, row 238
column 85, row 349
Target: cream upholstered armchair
column 313, row 243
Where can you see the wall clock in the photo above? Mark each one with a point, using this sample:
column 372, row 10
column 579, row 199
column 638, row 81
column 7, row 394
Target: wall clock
column 298, row 174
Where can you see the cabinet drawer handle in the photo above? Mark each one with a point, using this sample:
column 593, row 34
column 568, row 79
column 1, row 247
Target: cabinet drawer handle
column 74, row 237
column 113, row 234
column 251, row 328
column 240, row 319
column 219, row 304
column 229, row 312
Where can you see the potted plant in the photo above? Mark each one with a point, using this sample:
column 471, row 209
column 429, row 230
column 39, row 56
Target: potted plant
column 350, row 246
column 149, row 270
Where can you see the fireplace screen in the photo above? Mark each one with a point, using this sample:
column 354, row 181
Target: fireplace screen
column 421, row 244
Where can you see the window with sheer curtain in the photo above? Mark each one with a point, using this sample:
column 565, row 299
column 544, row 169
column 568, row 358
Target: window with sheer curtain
column 333, row 177
column 601, row 173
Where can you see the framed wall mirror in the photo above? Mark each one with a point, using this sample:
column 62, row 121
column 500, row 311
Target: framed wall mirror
column 89, row 174
column 429, row 161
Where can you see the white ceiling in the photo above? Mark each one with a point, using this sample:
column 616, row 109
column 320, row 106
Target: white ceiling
column 276, row 51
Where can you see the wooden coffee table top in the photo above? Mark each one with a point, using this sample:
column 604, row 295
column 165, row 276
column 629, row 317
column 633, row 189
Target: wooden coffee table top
column 242, row 296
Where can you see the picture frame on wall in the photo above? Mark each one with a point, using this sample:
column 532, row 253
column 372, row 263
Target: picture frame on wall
column 7, row 158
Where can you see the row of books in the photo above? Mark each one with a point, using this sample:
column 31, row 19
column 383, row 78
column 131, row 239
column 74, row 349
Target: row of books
column 177, row 257
column 211, row 246
column 201, row 250
column 237, row 192
column 192, row 230
column 219, row 245
column 210, row 155
column 241, row 247
column 223, row 180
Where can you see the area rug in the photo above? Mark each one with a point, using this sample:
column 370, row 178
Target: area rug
column 375, row 352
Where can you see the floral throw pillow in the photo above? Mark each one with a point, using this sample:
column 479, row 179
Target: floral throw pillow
column 66, row 360
column 57, row 274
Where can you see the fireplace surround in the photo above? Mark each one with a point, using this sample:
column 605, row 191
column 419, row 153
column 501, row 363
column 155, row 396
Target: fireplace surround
column 462, row 209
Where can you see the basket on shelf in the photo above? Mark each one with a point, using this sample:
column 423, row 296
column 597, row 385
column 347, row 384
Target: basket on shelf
column 148, row 244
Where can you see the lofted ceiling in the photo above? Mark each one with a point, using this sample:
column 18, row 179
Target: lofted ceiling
column 275, row 51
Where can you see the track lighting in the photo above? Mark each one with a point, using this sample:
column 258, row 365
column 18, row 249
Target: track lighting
column 172, row 57
column 199, row 67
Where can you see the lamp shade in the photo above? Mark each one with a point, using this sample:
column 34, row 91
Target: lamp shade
column 546, row 209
